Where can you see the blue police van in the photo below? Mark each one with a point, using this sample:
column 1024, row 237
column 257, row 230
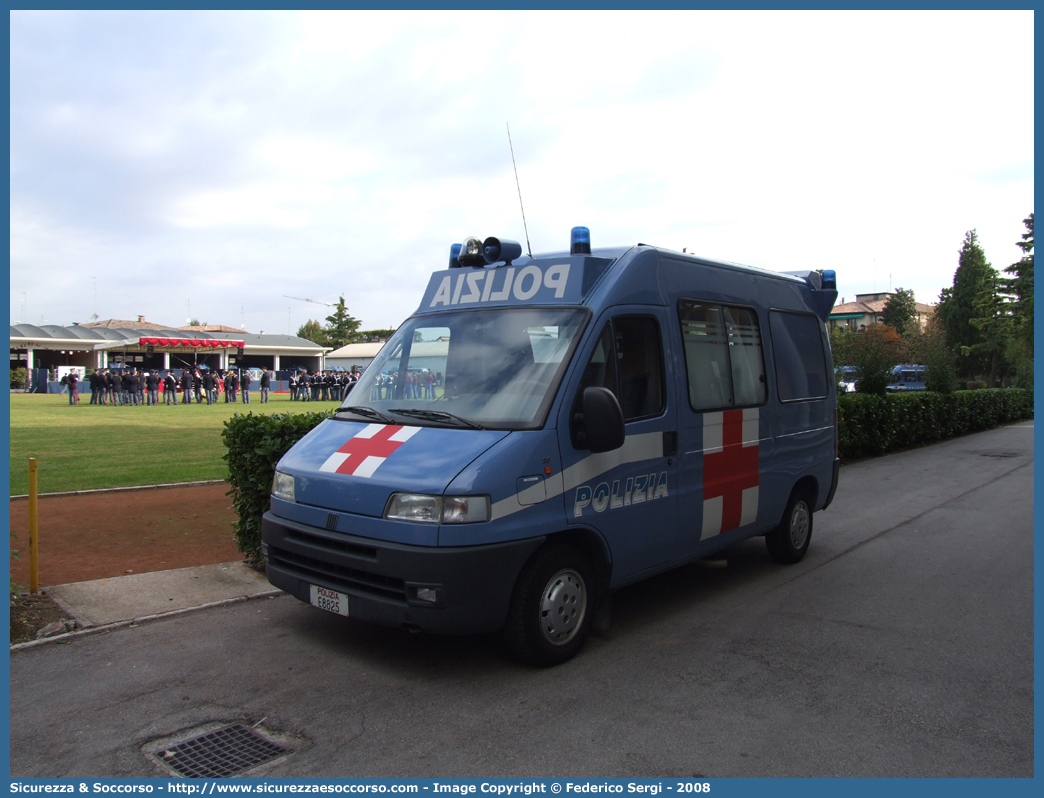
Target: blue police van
column 906, row 377
column 556, row 427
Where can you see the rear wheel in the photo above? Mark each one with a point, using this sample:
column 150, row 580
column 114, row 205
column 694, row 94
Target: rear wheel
column 552, row 606
column 788, row 542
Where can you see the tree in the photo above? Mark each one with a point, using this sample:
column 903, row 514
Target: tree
column 940, row 373
column 841, row 346
column 900, row 311
column 341, row 327
column 1020, row 286
column 312, row 331
column 995, row 323
column 957, row 305
column 875, row 352
column 374, row 336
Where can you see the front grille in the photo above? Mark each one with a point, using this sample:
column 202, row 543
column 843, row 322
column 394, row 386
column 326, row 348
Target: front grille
column 339, row 577
column 323, row 542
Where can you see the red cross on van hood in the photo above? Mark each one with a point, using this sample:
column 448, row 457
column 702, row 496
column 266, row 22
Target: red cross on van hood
column 354, row 467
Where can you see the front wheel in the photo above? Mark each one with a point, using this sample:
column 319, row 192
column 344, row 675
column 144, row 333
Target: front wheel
column 788, row 542
column 551, row 608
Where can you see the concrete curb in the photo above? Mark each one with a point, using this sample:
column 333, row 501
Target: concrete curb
column 93, row 630
column 113, row 490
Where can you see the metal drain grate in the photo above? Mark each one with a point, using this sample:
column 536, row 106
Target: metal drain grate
column 220, row 753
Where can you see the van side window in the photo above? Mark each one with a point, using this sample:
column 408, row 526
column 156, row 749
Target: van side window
column 723, row 357
column 639, row 366
column 628, row 360
column 797, row 344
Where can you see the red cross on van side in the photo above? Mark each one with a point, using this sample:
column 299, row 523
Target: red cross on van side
column 732, row 470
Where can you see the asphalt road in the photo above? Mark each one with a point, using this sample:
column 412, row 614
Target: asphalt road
column 902, row 645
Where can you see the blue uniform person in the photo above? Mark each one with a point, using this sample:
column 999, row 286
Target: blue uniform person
column 170, row 388
column 74, row 397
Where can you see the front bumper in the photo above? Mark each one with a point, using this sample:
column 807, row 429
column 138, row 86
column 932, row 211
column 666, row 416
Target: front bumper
column 381, row 579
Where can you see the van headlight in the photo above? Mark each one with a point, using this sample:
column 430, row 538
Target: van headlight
column 283, row 486
column 423, row 509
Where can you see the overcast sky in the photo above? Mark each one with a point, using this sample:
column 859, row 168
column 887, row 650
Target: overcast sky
column 177, row 164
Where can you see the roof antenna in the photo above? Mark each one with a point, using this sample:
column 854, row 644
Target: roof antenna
column 529, row 248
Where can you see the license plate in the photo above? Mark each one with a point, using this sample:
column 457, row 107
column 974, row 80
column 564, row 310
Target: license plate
column 329, row 600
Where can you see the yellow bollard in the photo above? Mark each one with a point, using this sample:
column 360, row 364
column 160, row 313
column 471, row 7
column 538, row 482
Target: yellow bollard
column 34, row 551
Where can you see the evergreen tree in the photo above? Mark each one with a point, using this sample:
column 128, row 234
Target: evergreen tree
column 957, row 305
column 312, row 331
column 1021, row 286
column 341, row 327
column 373, row 336
column 994, row 321
column 900, row 311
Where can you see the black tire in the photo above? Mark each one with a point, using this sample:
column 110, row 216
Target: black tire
column 552, row 606
column 788, row 542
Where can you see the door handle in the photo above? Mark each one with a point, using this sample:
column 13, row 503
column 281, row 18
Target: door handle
column 670, row 443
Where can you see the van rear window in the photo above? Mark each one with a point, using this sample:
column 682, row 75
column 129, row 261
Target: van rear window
column 797, row 346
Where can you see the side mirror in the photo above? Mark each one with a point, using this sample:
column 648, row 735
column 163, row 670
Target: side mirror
column 603, row 422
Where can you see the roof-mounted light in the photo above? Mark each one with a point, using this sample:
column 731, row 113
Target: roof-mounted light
column 580, row 241
column 471, row 252
column 496, row 250
column 829, row 280
column 454, row 254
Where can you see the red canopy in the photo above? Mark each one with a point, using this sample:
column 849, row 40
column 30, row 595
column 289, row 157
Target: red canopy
column 195, row 343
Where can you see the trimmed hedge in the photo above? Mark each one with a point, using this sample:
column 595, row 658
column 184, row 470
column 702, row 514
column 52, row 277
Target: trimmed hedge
column 254, row 445
column 874, row 425
column 870, row 425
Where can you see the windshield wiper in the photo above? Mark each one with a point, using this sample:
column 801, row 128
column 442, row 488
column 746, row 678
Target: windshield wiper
column 435, row 415
column 369, row 412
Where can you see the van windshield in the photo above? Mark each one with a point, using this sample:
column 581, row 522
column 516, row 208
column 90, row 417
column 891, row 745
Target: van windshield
column 495, row 369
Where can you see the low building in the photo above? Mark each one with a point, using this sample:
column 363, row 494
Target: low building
column 353, row 355
column 145, row 345
column 869, row 309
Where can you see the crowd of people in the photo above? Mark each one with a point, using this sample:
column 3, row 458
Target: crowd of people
column 132, row 387
column 322, row 386
column 121, row 387
column 416, row 384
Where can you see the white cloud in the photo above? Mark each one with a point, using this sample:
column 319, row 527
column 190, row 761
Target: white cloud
column 257, row 154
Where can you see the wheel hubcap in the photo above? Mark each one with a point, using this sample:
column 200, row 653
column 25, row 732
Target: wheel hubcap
column 562, row 606
column 799, row 525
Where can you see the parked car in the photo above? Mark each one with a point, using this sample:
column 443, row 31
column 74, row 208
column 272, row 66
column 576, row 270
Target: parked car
column 846, row 379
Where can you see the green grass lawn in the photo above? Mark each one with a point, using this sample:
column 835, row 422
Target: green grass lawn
column 92, row 446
